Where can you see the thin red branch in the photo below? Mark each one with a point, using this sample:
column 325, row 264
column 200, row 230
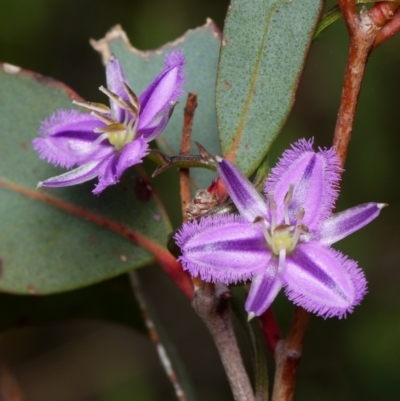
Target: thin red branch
column 184, row 173
column 382, row 12
column 287, row 356
column 392, row 27
column 362, row 38
column 363, row 30
column 350, row 16
column 270, row 330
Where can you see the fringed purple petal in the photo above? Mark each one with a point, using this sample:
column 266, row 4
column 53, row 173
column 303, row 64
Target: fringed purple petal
column 132, row 154
column 108, row 175
column 157, row 125
column 114, row 76
column 342, row 224
column 315, row 177
column 64, row 137
column 247, row 199
column 323, row 281
column 129, row 155
column 165, row 89
column 265, row 286
column 223, row 249
column 76, row 176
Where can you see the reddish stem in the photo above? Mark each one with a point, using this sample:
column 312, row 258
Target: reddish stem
column 392, row 27
column 184, row 173
column 382, row 12
column 287, row 355
column 363, row 30
column 270, row 329
column 362, row 37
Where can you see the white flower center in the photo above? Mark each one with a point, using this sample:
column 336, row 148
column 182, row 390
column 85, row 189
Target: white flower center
column 118, row 133
column 283, row 238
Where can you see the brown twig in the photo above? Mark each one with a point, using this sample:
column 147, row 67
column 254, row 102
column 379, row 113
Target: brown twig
column 155, row 338
column 287, row 356
column 382, row 12
column 392, row 27
column 363, row 30
column 211, row 303
column 184, row 173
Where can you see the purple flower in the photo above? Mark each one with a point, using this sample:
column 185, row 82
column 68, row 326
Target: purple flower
column 285, row 240
column 107, row 141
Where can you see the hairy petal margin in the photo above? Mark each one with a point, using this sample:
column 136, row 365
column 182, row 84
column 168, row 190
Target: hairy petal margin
column 323, row 280
column 224, row 249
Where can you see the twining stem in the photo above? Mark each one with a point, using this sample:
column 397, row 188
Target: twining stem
column 382, row 12
column 392, row 27
column 155, row 338
column 184, row 173
column 363, row 30
column 287, row 356
column 211, row 302
column 270, row 330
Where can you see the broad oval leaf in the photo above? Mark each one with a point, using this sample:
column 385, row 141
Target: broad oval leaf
column 264, row 46
column 66, row 238
column 201, row 50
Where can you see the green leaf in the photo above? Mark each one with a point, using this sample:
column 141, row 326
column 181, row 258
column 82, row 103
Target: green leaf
column 264, row 46
column 327, row 20
column 201, row 50
column 61, row 239
column 111, row 300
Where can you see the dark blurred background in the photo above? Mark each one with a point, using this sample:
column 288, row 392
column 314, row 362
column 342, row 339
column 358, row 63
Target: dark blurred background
column 355, row 359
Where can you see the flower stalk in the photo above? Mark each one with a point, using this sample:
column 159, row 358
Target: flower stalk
column 211, row 303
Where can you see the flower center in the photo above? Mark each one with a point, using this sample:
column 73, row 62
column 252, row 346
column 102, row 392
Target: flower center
column 283, row 238
column 119, row 133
